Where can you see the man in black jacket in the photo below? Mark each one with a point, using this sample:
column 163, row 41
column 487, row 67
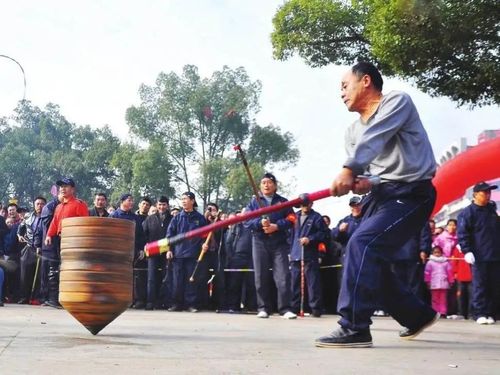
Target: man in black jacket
column 155, row 228
column 100, row 204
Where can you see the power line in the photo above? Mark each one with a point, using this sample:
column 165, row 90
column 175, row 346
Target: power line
column 22, row 70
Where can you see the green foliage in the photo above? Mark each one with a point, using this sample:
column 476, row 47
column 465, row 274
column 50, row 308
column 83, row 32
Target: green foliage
column 239, row 186
column 268, row 146
column 198, row 120
column 38, row 146
column 186, row 127
column 446, row 47
column 320, row 31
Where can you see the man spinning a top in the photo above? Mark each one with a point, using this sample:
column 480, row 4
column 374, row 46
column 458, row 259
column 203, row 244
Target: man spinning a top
column 387, row 140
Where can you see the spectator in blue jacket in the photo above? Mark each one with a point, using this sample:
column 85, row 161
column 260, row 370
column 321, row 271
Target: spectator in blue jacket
column 479, row 240
column 12, row 249
column 240, row 284
column 140, row 266
column 270, row 249
column 309, row 230
column 345, row 229
column 184, row 254
column 409, row 262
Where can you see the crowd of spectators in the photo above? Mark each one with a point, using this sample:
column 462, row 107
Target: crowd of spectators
column 287, row 263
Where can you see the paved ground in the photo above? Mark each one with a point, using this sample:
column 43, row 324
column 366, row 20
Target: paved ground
column 40, row 340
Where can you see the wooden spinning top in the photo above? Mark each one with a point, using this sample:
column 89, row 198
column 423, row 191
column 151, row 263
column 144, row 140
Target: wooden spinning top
column 96, row 269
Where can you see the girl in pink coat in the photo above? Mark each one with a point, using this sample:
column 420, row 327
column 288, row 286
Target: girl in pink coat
column 439, row 277
column 448, row 239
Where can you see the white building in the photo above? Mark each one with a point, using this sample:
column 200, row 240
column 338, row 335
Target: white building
column 452, row 209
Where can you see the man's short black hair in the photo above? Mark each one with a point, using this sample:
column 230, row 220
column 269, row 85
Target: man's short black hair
column 146, row 199
column 13, row 205
column 41, row 198
column 366, row 68
column 101, row 194
column 452, row 221
column 163, row 199
column 213, row 205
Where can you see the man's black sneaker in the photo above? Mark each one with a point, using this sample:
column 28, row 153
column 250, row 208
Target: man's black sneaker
column 409, row 334
column 346, row 338
column 55, row 305
column 316, row 313
column 150, row 306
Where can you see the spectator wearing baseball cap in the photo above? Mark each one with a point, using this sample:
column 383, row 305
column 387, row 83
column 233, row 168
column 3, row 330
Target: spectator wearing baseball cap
column 65, row 181
column 479, row 240
column 483, row 186
column 69, row 206
column 345, row 229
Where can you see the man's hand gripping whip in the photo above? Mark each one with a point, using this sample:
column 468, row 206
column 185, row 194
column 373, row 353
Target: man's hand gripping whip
column 202, row 252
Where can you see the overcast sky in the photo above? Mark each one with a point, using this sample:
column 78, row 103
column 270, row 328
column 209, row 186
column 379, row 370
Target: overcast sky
column 90, row 57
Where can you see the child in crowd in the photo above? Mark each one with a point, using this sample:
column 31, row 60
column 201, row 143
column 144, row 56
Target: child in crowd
column 447, row 241
column 439, row 277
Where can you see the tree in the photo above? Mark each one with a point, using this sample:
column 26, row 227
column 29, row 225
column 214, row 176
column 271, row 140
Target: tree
column 445, row 47
column 198, row 120
column 39, row 146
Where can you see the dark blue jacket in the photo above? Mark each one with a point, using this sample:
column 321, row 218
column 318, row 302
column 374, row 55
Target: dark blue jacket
column 419, row 242
column 140, row 240
column 46, row 217
column 184, row 222
column 315, row 229
column 238, row 244
column 278, row 217
column 3, row 231
column 343, row 237
column 10, row 244
column 479, row 232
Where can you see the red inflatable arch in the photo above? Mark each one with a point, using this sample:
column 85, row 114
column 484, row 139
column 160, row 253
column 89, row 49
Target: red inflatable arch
column 480, row 163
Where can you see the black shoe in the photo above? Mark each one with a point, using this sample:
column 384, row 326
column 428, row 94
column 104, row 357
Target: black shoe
column 408, row 333
column 139, row 305
column 346, row 338
column 150, row 306
column 1, row 304
column 22, row 301
column 174, row 308
column 55, row 305
column 316, row 313
column 192, row 309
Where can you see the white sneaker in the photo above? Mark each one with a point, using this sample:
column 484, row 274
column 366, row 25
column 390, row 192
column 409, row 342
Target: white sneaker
column 262, row 314
column 289, row 315
column 482, row 320
column 490, row 320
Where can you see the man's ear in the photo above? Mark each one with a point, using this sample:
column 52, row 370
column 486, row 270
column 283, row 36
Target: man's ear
column 366, row 80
